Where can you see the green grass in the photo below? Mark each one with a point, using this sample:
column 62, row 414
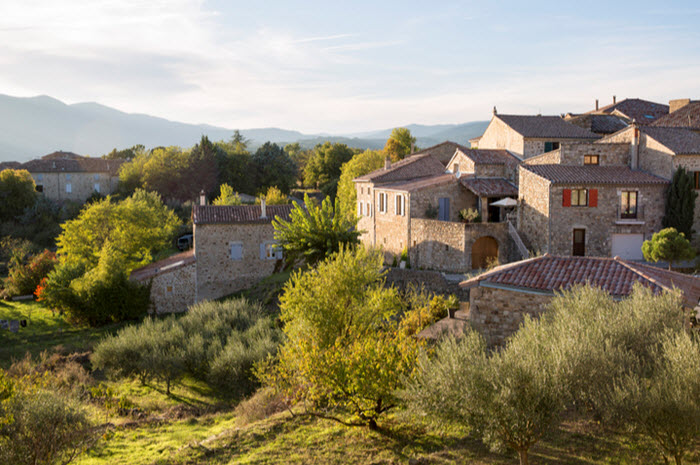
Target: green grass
column 45, row 330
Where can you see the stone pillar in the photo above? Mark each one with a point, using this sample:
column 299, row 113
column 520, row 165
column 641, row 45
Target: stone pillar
column 484, row 202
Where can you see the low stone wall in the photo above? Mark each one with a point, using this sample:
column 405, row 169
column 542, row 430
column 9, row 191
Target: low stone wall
column 433, row 281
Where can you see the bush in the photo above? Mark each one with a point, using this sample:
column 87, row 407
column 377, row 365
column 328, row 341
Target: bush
column 24, row 278
column 263, row 404
column 470, row 216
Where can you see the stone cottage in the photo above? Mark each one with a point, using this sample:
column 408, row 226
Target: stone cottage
column 234, row 247
column 500, row 298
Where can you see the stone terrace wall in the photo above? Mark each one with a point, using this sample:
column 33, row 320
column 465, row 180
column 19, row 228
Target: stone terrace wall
column 173, row 291
column 498, row 313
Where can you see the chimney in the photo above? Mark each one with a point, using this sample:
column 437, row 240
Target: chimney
column 634, row 146
column 387, row 163
column 263, row 208
column 596, row 105
column 202, row 198
column 614, row 99
column 677, row 104
column 495, row 112
column 413, row 147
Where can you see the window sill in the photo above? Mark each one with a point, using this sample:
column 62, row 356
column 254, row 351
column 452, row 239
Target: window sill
column 629, row 221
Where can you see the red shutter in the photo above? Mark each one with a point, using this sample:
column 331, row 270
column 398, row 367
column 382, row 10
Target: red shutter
column 593, row 198
column 566, row 199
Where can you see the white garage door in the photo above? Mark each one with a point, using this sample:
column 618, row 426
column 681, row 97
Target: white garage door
column 627, row 246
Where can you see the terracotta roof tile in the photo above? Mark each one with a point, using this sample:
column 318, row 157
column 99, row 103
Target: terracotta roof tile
column 681, row 141
column 171, row 263
column 243, row 214
column 554, row 127
column 643, row 111
column 615, row 276
column 415, row 166
column 489, row 187
column 688, row 116
column 616, row 175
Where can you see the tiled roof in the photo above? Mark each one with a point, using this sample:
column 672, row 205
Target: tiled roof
column 171, row 263
column 415, row 166
column 59, row 155
column 489, row 156
column 10, row 165
column 589, row 174
column 73, row 165
column 489, row 187
column 598, row 124
column 241, row 214
column 410, row 185
column 643, row 111
column 613, row 275
column 442, row 151
column 554, row 127
column 680, row 140
column 688, row 116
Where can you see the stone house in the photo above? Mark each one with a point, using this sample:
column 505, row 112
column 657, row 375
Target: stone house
column 641, row 111
column 415, row 205
column 63, row 176
column 529, row 135
column 683, row 113
column 500, row 298
column 234, row 247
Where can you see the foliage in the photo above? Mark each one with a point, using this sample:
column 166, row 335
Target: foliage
column 136, row 228
column 274, row 196
column 40, row 223
column 227, row 196
column 680, row 203
column 216, row 342
column 360, row 164
column 343, row 351
column 470, row 215
column 668, row 245
column 235, row 165
column 25, row 277
column 400, row 144
column 421, row 317
column 431, row 212
column 17, row 192
column 298, row 156
column 125, row 154
column 273, row 167
column 325, row 163
column 314, row 233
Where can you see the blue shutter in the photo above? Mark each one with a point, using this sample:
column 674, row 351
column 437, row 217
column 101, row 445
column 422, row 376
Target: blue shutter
column 262, row 251
column 444, row 209
column 236, row 251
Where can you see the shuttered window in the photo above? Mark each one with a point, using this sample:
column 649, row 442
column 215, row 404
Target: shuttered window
column 236, row 251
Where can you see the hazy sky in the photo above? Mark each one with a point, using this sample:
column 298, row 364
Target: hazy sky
column 347, row 66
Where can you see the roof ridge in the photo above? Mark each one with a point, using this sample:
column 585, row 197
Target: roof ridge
column 501, row 268
column 643, row 275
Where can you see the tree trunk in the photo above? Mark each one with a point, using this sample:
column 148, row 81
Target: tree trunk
column 372, row 424
column 167, row 387
column 679, row 459
column 523, row 456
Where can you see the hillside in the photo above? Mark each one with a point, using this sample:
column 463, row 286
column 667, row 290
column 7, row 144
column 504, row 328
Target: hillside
column 34, row 126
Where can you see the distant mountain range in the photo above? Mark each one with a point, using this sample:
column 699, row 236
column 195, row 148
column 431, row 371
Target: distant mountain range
column 34, row 126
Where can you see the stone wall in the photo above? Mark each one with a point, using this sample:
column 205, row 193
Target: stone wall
column 218, row 274
column 460, row 198
column 533, row 210
column 365, row 221
column 552, row 157
column 82, row 185
column 609, row 154
column 433, row 281
column 390, row 228
column 498, row 135
column 499, row 313
column 172, row 291
column 655, row 158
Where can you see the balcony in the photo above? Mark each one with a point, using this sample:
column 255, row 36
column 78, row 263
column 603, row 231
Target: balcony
column 634, row 215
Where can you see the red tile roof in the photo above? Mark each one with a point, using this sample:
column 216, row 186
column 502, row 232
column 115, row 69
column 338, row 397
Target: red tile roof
column 681, row 141
column 688, row 116
column 171, row 263
column 242, row 214
column 643, row 111
column 615, row 276
column 489, row 187
column 545, row 127
column 489, row 156
column 415, row 166
column 589, row 174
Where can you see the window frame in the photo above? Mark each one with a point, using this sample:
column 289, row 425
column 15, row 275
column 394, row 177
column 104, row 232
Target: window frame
column 400, row 205
column 382, row 202
column 554, row 145
column 591, row 157
column 230, row 250
column 69, row 188
column 576, row 194
column 626, row 213
column 696, row 179
column 273, row 251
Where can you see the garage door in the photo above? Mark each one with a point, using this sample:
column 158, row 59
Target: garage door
column 627, row 246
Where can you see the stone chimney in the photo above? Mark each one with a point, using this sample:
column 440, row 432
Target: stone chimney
column 677, row 104
column 495, row 112
column 596, row 105
column 413, row 147
column 634, row 146
column 263, row 208
column 387, row 163
column 614, row 99
column 202, row 198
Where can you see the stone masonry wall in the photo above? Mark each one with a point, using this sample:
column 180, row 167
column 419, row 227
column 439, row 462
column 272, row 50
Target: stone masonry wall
column 499, row 136
column 390, row 228
column 498, row 313
column 433, row 281
column 533, row 211
column 553, row 157
column 655, row 158
column 82, row 185
column 217, row 273
column 609, row 154
column 173, row 291
column 365, row 221
column 460, row 198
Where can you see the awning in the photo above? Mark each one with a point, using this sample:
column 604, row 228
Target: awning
column 507, row 202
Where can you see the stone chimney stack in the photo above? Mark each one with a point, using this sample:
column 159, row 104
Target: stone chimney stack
column 495, row 112
column 634, row 146
column 202, row 198
column 614, row 99
column 413, row 147
column 387, row 163
column 596, row 105
column 263, row 208
column 677, row 104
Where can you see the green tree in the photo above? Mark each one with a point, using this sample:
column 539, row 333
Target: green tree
column 273, row 167
column 680, row 203
column 400, row 144
column 274, row 196
column 315, row 232
column 17, row 192
column 361, row 164
column 325, row 162
column 24, row 277
column 202, row 172
column 344, row 353
column 668, row 245
column 235, row 165
column 126, row 154
column 227, row 196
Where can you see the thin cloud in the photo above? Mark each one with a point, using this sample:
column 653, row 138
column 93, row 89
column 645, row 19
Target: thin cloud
column 319, row 39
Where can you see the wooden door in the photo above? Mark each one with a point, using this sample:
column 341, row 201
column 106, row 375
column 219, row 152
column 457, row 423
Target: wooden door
column 579, row 249
column 484, row 252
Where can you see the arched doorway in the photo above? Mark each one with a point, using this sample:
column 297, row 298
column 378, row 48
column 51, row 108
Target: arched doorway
column 484, row 251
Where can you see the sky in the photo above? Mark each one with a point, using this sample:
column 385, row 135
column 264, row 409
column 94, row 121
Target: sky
column 347, row 67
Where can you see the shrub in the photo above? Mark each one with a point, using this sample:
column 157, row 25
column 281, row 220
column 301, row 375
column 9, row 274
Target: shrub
column 263, row 404
column 24, row 278
column 470, row 215
column 431, row 212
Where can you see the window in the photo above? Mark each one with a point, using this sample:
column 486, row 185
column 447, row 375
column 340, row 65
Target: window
column 359, row 208
column 68, row 177
column 270, row 251
column 362, row 190
column 97, row 187
column 39, row 188
column 549, row 146
column 628, row 204
column 579, row 197
column 96, row 177
column 39, row 177
column 591, row 160
column 169, row 289
column 369, row 209
column 236, row 251
column 696, row 177
column 69, row 188
column 455, row 168
column 382, row 202
column 400, row 205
